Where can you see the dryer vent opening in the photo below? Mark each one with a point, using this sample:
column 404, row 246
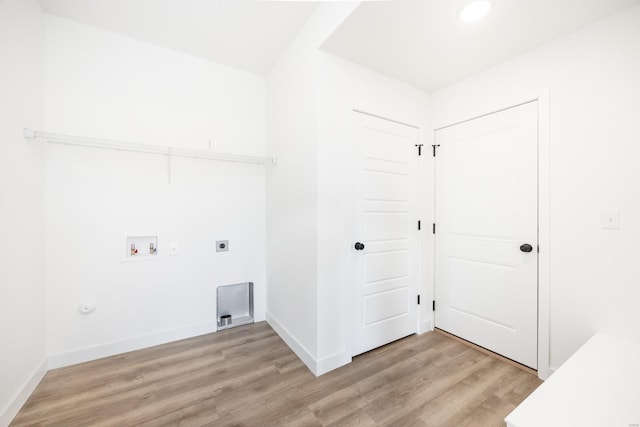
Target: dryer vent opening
column 235, row 305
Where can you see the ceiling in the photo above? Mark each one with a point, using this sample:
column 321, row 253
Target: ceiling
column 423, row 43
column 245, row 34
column 420, row 42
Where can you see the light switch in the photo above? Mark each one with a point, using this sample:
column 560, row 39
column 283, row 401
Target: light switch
column 610, row 220
column 173, row 249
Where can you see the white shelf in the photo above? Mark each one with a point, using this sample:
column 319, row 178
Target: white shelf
column 597, row 386
column 144, row 148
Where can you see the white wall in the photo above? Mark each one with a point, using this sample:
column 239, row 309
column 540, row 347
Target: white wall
column 22, row 293
column 594, row 88
column 100, row 84
column 310, row 95
column 344, row 86
column 292, row 186
column 291, row 197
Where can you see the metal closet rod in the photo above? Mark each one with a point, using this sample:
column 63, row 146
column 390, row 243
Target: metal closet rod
column 144, row 148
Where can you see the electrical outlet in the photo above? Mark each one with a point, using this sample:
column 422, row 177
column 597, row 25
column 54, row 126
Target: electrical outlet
column 222, row 245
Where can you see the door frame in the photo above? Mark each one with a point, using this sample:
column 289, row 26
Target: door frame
column 349, row 291
column 542, row 99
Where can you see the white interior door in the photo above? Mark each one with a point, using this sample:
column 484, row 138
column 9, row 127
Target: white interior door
column 486, row 213
column 384, row 195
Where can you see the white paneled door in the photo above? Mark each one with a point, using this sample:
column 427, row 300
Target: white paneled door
column 486, row 263
column 384, row 248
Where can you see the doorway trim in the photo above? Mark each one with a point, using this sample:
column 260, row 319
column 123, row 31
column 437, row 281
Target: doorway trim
column 542, row 99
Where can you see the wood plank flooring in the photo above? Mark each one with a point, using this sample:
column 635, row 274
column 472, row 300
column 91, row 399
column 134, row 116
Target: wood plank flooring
column 247, row 376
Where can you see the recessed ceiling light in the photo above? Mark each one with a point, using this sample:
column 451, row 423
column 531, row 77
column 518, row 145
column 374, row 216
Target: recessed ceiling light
column 475, row 10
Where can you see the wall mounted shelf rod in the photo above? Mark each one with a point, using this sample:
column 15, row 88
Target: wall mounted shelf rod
column 144, row 148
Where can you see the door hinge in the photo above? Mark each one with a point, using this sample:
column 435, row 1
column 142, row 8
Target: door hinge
column 434, row 148
column 433, row 305
column 419, row 149
column 419, row 225
column 418, row 299
column 434, row 228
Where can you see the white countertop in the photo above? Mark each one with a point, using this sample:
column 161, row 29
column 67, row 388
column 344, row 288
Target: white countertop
column 598, row 386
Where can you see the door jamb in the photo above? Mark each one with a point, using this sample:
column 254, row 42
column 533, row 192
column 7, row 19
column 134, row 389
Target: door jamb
column 542, row 99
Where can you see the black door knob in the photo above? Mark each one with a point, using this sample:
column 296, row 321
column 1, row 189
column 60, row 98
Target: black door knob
column 359, row 246
column 526, row 248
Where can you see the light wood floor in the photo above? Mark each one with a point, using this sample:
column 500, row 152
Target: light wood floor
column 247, row 376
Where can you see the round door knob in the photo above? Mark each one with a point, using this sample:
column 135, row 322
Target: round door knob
column 526, row 248
column 359, row 246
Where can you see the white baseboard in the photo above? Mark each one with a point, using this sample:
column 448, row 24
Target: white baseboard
column 122, row 346
column 259, row 316
column 425, row 326
column 13, row 407
column 299, row 349
column 329, row 363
